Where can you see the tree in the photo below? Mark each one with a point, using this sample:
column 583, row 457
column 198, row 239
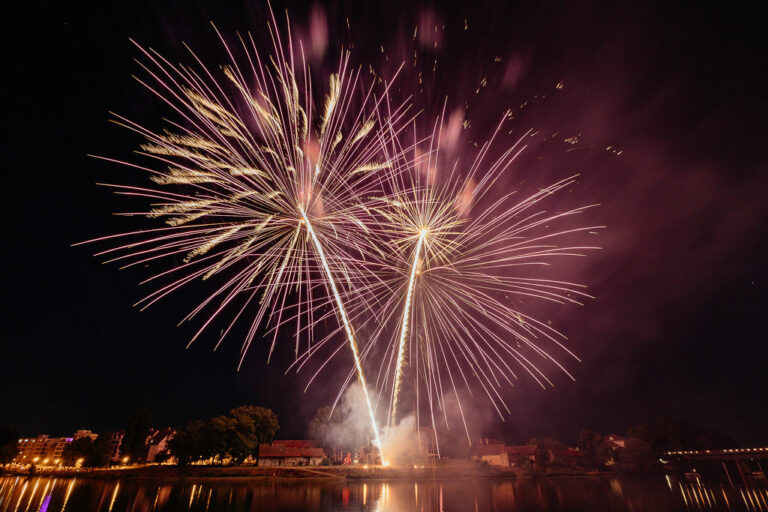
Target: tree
column 94, row 453
column 219, row 435
column 587, row 443
column 191, row 443
column 542, row 457
column 636, row 455
column 236, row 435
column 100, row 450
column 136, row 433
column 8, row 444
column 250, row 426
column 555, row 451
column 523, row 461
column 605, row 456
column 79, row 449
column 642, row 431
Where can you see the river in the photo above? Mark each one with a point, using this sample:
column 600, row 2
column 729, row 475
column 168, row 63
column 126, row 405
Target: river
column 656, row 493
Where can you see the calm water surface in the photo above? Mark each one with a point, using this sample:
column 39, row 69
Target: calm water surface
column 567, row 494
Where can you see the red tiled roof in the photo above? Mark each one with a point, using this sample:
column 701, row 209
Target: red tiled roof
column 295, row 443
column 280, row 449
column 487, row 449
column 521, row 450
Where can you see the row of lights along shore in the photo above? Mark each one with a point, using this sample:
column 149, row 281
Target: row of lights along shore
column 730, row 450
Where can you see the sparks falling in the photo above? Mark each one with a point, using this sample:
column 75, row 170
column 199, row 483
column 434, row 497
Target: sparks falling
column 260, row 189
column 457, row 258
column 336, row 218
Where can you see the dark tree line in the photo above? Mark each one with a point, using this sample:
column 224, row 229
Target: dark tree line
column 646, row 443
column 136, row 433
column 94, row 453
column 234, row 436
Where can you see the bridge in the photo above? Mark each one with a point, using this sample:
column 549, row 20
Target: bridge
column 743, row 459
column 727, row 454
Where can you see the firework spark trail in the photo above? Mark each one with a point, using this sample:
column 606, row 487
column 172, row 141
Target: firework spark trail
column 248, row 166
column 400, row 363
column 446, row 284
column 347, row 327
column 251, row 159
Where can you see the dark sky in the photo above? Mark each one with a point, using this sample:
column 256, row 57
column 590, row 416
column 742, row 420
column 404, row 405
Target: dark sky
column 678, row 326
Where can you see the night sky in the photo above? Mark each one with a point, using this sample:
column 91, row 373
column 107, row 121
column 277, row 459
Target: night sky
column 678, row 326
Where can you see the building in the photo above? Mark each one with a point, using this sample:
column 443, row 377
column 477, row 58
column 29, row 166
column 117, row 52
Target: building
column 290, row 453
column 42, row 450
column 565, row 456
column 83, row 433
column 114, row 445
column 616, row 441
column 157, row 444
column 492, row 451
column 521, row 455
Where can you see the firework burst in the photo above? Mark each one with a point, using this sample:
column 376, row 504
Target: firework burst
column 260, row 188
column 457, row 258
column 308, row 207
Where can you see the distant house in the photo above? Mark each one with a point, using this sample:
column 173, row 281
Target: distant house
column 616, row 441
column 497, row 453
column 565, row 456
column 521, row 454
column 491, row 451
column 157, row 443
column 290, row 453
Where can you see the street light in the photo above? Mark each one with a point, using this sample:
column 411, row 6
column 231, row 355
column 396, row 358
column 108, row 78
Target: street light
column 125, row 460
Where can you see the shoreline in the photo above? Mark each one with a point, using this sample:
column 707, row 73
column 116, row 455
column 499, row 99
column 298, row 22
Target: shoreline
column 297, row 473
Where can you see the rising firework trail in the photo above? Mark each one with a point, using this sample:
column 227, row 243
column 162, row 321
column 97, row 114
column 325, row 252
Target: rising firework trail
column 261, row 189
column 347, row 326
column 457, row 258
column 400, row 363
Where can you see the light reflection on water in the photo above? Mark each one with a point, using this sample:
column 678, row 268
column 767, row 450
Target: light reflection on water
column 21, row 494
